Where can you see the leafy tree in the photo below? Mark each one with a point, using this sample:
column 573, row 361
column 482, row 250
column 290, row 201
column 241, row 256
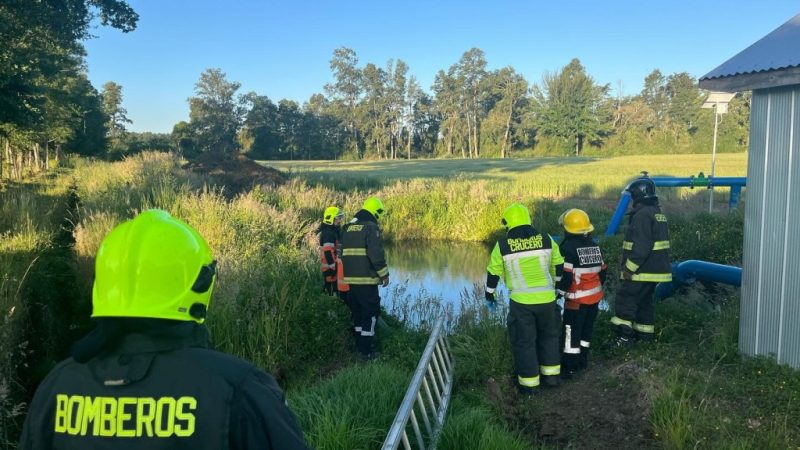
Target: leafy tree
column 346, row 92
column 215, row 113
column 684, row 100
column 112, row 106
column 182, row 139
column 569, row 105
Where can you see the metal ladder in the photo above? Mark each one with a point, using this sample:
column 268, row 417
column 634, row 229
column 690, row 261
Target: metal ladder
column 429, row 392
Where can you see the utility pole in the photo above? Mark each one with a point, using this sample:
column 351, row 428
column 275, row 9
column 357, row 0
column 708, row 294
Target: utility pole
column 718, row 101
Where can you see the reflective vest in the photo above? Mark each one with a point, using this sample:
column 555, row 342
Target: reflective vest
column 645, row 251
column 526, row 260
column 584, row 261
column 328, row 251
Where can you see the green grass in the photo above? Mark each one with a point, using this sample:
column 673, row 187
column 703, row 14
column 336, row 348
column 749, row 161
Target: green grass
column 696, row 391
column 463, row 199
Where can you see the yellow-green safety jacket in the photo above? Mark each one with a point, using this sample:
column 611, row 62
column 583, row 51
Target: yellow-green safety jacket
column 529, row 263
column 645, row 251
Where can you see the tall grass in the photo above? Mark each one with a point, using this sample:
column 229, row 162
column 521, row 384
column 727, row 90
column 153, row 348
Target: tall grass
column 28, row 221
column 266, row 305
column 463, row 199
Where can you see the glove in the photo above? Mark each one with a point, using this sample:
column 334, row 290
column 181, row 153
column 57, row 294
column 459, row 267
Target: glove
column 385, row 281
column 627, row 274
column 490, row 297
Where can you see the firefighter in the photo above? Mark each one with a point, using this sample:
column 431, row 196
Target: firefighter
column 581, row 286
column 529, row 262
column 645, row 263
column 329, row 232
column 364, row 270
column 146, row 376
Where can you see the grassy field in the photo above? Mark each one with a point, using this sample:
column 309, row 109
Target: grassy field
column 688, row 390
column 463, row 199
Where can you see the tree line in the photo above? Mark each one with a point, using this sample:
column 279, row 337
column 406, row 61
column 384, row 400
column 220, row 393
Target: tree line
column 382, row 112
column 48, row 106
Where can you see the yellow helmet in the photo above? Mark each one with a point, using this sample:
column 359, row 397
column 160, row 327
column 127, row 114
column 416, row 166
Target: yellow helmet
column 331, row 214
column 516, row 215
column 576, row 221
column 374, row 206
column 153, row 266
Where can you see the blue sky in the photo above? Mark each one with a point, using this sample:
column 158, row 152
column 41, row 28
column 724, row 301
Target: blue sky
column 282, row 49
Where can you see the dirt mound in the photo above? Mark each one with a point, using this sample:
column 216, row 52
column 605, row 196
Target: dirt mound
column 237, row 173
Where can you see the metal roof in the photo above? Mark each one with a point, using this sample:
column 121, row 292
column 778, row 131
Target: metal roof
column 777, row 50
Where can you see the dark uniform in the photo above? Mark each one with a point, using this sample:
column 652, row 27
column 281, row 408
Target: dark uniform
column 582, row 289
column 530, row 263
column 159, row 387
column 364, row 269
column 645, row 263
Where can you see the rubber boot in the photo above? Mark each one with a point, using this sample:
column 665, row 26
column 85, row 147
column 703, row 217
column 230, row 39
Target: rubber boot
column 583, row 359
column 625, row 336
column 551, row 380
column 645, row 337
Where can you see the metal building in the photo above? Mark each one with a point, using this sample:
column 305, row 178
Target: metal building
column 770, row 308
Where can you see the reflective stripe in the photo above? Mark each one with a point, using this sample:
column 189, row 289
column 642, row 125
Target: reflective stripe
column 371, row 331
column 627, row 245
column 653, row 277
column 584, row 270
column 327, row 245
column 329, row 266
column 383, row 272
column 550, row 370
column 568, row 267
column 585, row 344
column 354, row 252
column 660, row 245
column 490, row 290
column 586, row 293
column 527, row 254
column 529, row 381
column 632, row 266
column 361, row 280
column 558, row 279
column 568, row 348
column 358, row 329
column 532, row 290
column 617, row 321
column 644, row 328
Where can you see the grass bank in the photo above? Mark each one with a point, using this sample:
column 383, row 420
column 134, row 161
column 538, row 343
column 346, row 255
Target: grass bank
column 690, row 389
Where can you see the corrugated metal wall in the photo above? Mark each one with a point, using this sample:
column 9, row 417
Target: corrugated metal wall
column 770, row 313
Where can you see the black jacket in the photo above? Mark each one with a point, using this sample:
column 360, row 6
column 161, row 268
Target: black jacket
column 645, row 251
column 363, row 257
column 160, row 388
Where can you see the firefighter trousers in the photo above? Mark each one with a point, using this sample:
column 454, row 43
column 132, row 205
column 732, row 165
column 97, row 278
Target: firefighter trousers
column 634, row 309
column 578, row 329
column 534, row 332
column 365, row 303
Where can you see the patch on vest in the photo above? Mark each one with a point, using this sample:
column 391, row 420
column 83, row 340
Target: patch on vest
column 590, row 255
column 125, row 417
column 531, row 243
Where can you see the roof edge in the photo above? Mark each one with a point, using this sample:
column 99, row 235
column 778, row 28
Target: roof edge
column 754, row 80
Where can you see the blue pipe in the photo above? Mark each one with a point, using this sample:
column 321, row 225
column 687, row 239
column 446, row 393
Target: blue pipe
column 735, row 183
column 688, row 272
column 622, row 206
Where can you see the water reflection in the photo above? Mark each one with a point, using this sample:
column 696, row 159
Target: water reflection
column 445, row 272
column 428, row 277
